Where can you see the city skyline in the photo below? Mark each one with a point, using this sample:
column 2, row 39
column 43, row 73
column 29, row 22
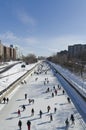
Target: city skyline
column 42, row 27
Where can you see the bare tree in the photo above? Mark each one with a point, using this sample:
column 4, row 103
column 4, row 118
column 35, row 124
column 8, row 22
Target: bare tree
column 30, row 58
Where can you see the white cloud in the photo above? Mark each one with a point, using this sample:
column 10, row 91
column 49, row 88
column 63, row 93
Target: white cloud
column 8, row 35
column 26, row 18
column 9, row 38
column 57, row 44
column 30, row 40
column 12, row 38
column 41, row 46
column 24, row 43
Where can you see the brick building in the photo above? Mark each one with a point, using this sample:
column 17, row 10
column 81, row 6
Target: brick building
column 7, row 53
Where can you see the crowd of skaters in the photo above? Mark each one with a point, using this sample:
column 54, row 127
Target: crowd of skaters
column 54, row 92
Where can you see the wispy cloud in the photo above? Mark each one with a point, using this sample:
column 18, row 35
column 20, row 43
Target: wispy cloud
column 26, row 18
column 10, row 37
column 25, row 43
column 57, row 44
column 41, row 46
column 30, row 40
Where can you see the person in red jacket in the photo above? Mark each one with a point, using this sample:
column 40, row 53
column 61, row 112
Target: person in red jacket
column 28, row 124
column 19, row 113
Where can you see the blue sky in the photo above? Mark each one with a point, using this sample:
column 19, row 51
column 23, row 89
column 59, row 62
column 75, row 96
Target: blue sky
column 42, row 27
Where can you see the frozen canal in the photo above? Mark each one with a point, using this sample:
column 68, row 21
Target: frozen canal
column 36, row 87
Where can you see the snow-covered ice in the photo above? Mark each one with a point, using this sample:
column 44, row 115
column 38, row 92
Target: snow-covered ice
column 37, row 90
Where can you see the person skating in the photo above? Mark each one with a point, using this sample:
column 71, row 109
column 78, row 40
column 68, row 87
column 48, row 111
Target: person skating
column 52, row 94
column 23, row 106
column 7, row 100
column 51, row 117
column 32, row 112
column 19, row 113
column 28, row 124
column 48, row 108
column 55, row 92
column 20, row 124
column 63, row 92
column 25, row 81
column 72, row 119
column 67, row 122
column 40, row 112
column 55, row 109
column 4, row 99
column 25, row 95
column 68, row 100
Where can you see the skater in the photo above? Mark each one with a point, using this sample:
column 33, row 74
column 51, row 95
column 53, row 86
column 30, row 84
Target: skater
column 47, row 90
column 25, row 96
column 68, row 100
column 25, row 81
column 4, row 99
column 48, row 108
column 22, row 82
column 58, row 86
column 28, row 124
column 67, row 122
column 23, row 106
column 31, row 101
column 55, row 109
column 40, row 112
column 32, row 112
column 20, row 124
column 54, row 87
column 47, row 81
column 36, row 79
column 55, row 92
column 63, row 92
column 51, row 118
column 19, row 114
column 72, row 119
column 52, row 94
column 7, row 100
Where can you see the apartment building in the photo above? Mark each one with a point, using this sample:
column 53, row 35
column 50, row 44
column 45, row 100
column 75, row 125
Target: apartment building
column 7, row 53
column 14, row 54
column 76, row 50
column 1, row 51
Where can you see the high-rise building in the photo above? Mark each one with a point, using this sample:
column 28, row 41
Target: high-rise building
column 76, row 50
column 1, row 51
column 7, row 53
column 18, row 52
